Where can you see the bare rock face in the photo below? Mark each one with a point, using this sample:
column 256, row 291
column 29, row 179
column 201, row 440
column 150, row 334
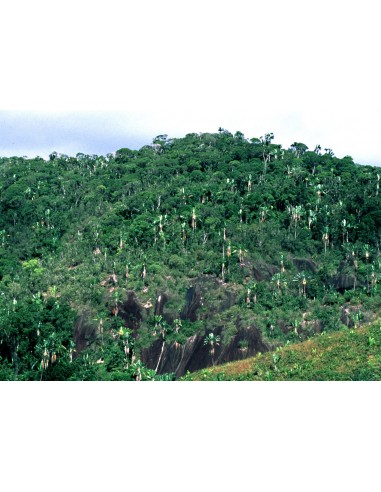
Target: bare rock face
column 84, row 333
column 343, row 282
column 176, row 358
column 161, row 300
column 193, row 301
column 346, row 278
column 305, row 265
column 131, row 311
column 194, row 354
column 264, row 271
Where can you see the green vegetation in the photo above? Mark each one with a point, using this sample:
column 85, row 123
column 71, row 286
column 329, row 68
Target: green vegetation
column 186, row 253
column 348, row 355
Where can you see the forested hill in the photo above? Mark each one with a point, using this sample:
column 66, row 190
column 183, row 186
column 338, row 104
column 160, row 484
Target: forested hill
column 189, row 252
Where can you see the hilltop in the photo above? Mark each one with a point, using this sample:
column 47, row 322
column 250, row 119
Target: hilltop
column 184, row 254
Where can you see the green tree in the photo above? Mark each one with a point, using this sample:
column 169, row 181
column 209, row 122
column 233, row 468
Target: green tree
column 212, row 341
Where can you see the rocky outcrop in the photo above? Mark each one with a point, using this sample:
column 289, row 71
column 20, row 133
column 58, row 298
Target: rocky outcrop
column 194, row 354
column 84, row 333
column 264, row 271
column 161, row 300
column 346, row 278
column 130, row 311
column 304, row 265
column 204, row 292
column 193, row 301
column 343, row 282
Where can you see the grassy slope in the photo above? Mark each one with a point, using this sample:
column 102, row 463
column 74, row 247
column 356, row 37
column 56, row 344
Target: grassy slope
column 349, row 355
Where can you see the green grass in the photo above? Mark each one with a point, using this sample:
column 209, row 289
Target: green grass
column 348, row 355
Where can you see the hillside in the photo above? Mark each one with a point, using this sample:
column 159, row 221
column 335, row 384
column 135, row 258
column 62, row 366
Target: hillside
column 186, row 253
column 348, row 355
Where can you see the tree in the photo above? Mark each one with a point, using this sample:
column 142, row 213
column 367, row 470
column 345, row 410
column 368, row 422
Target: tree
column 298, row 149
column 325, row 238
column 312, row 217
column 279, row 282
column 302, row 279
column 266, row 149
column 296, row 212
column 212, row 341
column 111, row 236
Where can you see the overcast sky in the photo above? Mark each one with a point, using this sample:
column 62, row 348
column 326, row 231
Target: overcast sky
column 97, row 76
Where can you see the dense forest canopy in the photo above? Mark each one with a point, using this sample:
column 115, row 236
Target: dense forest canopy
column 144, row 264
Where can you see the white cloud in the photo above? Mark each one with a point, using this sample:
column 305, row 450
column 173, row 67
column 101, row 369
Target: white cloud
column 307, row 71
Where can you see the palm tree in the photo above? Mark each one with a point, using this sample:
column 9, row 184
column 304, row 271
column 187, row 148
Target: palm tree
column 356, row 317
column 302, row 279
column 295, row 325
column 325, row 238
column 366, row 252
column 241, row 253
column 311, row 218
column 263, row 211
column 127, row 339
column 122, row 241
column 248, row 296
column 279, row 281
column 194, row 219
column 71, row 350
column 251, row 289
column 249, row 184
column 177, row 323
column 345, row 228
column 183, row 233
column 319, row 192
column 296, row 213
column 229, row 250
column 266, row 149
column 213, row 341
column 48, row 350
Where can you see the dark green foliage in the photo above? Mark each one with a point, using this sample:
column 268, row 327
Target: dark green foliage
column 79, row 235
